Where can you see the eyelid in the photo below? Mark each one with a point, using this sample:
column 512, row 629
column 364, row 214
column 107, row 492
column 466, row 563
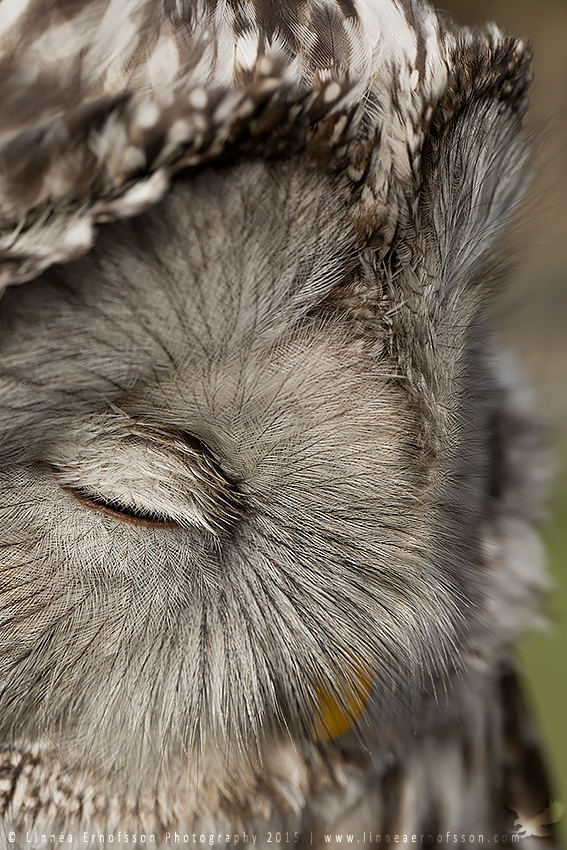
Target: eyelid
column 111, row 508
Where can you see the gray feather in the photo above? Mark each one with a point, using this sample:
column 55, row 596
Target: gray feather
column 263, row 472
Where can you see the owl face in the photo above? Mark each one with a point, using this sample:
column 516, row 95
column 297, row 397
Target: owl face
column 258, row 481
column 215, row 505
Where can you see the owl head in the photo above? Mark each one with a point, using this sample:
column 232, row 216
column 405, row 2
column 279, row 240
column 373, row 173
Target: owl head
column 253, row 451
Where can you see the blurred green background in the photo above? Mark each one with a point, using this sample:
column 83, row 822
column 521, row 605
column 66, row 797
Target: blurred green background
column 533, row 322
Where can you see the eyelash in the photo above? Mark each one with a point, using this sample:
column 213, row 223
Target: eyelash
column 117, row 510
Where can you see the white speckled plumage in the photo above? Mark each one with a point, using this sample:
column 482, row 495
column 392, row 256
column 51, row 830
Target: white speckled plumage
column 132, row 69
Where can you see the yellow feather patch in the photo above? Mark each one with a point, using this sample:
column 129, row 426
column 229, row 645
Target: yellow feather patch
column 339, row 711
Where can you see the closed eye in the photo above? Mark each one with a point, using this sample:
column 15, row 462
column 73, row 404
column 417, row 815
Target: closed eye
column 126, row 513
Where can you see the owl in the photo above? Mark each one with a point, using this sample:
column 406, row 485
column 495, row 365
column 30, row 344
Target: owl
column 268, row 486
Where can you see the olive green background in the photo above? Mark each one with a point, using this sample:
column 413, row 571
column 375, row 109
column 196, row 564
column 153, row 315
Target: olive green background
column 533, row 321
